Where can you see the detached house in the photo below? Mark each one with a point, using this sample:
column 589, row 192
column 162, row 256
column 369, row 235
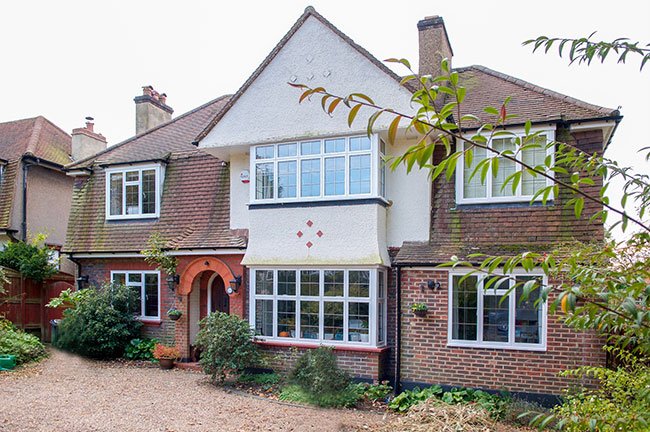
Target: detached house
column 289, row 218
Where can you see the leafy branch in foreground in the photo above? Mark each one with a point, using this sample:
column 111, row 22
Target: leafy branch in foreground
column 584, row 50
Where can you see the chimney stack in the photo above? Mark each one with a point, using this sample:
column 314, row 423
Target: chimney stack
column 434, row 45
column 151, row 110
column 86, row 142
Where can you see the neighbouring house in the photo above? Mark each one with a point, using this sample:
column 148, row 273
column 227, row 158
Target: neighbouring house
column 287, row 217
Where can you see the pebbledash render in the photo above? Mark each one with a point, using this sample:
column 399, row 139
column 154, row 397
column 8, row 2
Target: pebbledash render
column 288, row 218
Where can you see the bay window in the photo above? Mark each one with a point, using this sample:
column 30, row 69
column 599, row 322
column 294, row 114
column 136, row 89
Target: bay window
column 133, row 192
column 471, row 190
column 146, row 285
column 481, row 317
column 331, row 168
column 331, row 306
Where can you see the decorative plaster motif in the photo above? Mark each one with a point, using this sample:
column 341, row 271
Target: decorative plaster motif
column 309, row 233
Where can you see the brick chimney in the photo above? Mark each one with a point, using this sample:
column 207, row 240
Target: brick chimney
column 434, row 45
column 151, row 110
column 86, row 142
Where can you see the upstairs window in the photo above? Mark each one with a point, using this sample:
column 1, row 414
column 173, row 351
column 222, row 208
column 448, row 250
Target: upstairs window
column 471, row 190
column 316, row 169
column 132, row 192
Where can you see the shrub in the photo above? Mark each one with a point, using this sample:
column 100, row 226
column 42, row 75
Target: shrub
column 227, row 345
column 161, row 351
column 32, row 260
column 24, row 346
column 316, row 372
column 259, row 378
column 374, row 392
column 347, row 397
column 102, row 323
column 405, row 400
column 140, row 349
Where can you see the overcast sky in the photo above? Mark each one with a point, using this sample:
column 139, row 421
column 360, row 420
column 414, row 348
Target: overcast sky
column 69, row 59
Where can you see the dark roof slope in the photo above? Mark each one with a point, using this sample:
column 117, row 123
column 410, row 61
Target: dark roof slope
column 174, row 136
column 194, row 211
column 7, row 190
column 36, row 137
column 486, row 87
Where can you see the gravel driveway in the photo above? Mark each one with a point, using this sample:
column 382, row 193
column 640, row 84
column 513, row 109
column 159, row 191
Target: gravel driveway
column 68, row 393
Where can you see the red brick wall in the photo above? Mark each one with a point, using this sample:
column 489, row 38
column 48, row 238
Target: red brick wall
column 427, row 359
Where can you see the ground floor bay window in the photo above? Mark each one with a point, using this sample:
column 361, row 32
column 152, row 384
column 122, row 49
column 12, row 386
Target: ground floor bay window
column 483, row 317
column 323, row 306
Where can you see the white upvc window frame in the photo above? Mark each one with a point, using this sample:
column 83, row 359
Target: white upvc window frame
column 372, row 300
column 518, row 197
column 511, row 344
column 123, row 169
column 375, row 164
column 141, row 285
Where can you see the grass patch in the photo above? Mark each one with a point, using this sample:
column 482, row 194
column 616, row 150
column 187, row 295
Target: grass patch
column 347, row 397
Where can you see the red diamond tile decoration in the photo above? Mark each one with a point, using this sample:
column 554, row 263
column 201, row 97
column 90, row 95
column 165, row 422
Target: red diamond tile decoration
column 309, row 223
column 319, row 233
column 309, row 244
column 299, row 234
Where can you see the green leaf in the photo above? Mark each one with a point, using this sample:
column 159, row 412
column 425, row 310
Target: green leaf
column 353, row 113
column 392, row 129
column 579, row 204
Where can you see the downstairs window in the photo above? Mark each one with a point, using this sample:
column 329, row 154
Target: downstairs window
column 146, row 284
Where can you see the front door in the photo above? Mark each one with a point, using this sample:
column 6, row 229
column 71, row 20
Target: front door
column 219, row 300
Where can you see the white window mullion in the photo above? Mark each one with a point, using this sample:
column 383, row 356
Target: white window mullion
column 479, row 310
column 372, row 308
column 253, row 304
column 512, row 303
column 275, row 304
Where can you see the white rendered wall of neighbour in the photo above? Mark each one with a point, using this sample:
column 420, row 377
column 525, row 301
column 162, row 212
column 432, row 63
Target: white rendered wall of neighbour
column 269, row 110
column 338, row 235
column 239, row 192
column 409, row 215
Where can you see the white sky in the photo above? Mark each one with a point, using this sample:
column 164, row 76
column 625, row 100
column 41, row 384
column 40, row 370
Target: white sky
column 69, row 59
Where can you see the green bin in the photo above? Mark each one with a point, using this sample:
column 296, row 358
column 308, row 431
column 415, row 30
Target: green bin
column 7, row 361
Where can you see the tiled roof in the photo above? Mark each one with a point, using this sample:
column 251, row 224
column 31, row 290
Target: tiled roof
column 486, row 87
column 36, row 137
column 174, row 136
column 194, row 211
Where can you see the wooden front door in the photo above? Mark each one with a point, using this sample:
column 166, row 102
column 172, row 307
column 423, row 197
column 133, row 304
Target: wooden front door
column 219, row 298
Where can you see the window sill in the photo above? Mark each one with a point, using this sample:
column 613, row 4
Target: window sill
column 308, row 345
column 500, row 205
column 150, row 322
column 343, row 201
column 540, row 348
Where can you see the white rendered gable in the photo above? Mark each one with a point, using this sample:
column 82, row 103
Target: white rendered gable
column 268, row 111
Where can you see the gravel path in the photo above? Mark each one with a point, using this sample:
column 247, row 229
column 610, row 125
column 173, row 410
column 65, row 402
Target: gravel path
column 68, row 393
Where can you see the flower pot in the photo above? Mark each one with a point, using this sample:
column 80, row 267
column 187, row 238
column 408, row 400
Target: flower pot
column 420, row 313
column 166, row 363
column 174, row 317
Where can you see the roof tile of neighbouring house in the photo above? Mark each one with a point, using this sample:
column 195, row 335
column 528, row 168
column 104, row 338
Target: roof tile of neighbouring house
column 156, row 143
column 486, row 87
column 195, row 211
column 7, row 190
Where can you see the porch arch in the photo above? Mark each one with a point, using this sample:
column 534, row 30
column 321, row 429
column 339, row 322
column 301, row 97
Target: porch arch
column 200, row 265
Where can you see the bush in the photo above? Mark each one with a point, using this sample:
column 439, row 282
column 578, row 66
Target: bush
column 24, row 346
column 264, row 379
column 348, row 397
column 140, row 349
column 32, row 260
column 374, row 392
column 227, row 345
column 102, row 323
column 316, row 372
column 405, row 400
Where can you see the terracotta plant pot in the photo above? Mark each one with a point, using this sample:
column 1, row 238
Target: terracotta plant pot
column 166, row 363
column 420, row 313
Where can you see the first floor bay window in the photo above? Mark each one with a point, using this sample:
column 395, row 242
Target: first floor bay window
column 496, row 316
column 331, row 306
column 146, row 285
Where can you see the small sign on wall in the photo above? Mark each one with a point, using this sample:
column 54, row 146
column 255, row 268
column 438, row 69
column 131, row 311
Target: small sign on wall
column 245, row 176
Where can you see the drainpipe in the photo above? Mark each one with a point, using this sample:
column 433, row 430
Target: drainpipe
column 23, row 227
column 398, row 332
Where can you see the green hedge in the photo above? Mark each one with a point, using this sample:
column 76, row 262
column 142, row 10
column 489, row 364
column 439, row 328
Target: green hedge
column 24, row 346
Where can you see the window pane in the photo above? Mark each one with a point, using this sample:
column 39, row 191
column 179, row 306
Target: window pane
column 309, row 311
column 119, row 278
column 359, row 283
column 359, row 143
column 286, row 318
column 149, row 191
column 333, row 321
column 136, row 308
column 116, row 194
column 334, row 282
column 309, row 282
column 151, row 295
column 135, row 278
column 506, row 168
column 265, row 152
column 472, row 188
column 285, row 150
column 381, row 290
column 264, row 181
column 310, row 177
column 287, row 179
column 358, row 319
column 132, row 176
column 335, row 145
column 360, row 174
column 335, row 176
column 309, row 148
column 264, row 282
column 528, row 317
column 533, row 156
column 286, row 282
column 380, row 321
column 495, row 318
column 264, row 317
column 133, row 199
column 464, row 304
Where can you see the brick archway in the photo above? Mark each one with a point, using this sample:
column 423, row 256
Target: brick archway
column 197, row 267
